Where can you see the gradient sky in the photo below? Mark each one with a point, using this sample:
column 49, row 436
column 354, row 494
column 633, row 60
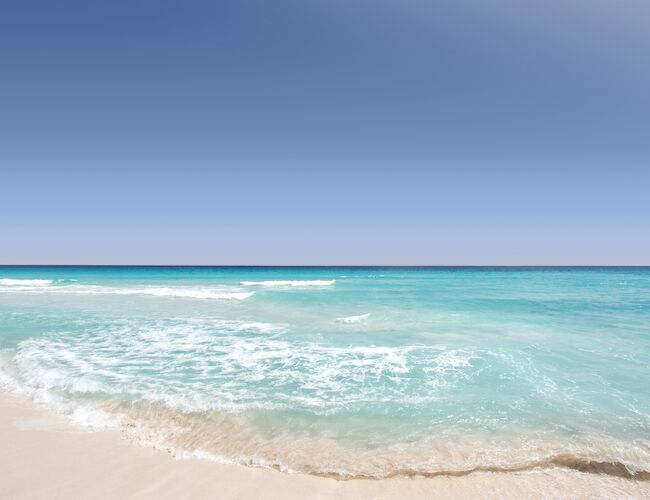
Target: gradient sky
column 325, row 132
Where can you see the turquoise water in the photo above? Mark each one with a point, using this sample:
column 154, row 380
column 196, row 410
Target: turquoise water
column 344, row 371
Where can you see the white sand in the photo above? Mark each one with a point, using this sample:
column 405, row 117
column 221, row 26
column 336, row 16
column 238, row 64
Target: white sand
column 44, row 456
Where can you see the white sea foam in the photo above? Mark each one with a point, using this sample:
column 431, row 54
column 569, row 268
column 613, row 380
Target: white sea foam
column 296, row 283
column 353, row 319
column 29, row 283
column 219, row 364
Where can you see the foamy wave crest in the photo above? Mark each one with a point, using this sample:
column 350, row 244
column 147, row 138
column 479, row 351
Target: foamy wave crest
column 30, row 283
column 289, row 283
column 353, row 319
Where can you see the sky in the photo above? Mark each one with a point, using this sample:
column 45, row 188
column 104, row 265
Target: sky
column 309, row 132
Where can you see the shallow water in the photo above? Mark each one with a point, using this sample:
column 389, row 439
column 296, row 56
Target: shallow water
column 344, row 371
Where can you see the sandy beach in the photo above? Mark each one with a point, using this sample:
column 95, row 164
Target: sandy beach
column 45, row 456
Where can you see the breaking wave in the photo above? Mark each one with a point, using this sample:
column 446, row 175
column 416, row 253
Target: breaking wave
column 30, row 283
column 44, row 287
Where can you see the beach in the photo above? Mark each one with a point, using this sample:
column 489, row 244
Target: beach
column 45, row 456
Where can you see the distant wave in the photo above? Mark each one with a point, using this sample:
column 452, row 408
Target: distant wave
column 43, row 287
column 289, row 283
column 15, row 282
column 353, row 319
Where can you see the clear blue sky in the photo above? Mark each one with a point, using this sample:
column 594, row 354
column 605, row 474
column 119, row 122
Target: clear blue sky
column 325, row 132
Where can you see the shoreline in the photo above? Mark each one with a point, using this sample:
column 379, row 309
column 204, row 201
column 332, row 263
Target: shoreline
column 46, row 455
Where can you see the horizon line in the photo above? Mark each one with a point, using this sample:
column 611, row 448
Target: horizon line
column 338, row 265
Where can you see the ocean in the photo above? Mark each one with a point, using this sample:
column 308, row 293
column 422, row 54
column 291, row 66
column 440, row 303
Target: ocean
column 346, row 372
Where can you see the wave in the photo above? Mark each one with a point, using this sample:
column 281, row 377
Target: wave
column 42, row 286
column 296, row 283
column 236, row 439
column 30, row 283
column 353, row 319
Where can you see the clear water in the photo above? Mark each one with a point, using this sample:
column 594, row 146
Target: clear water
column 344, row 371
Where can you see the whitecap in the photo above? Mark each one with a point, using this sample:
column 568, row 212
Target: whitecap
column 16, row 282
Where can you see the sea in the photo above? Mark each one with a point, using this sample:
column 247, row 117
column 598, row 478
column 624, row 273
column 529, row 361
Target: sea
column 346, row 372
